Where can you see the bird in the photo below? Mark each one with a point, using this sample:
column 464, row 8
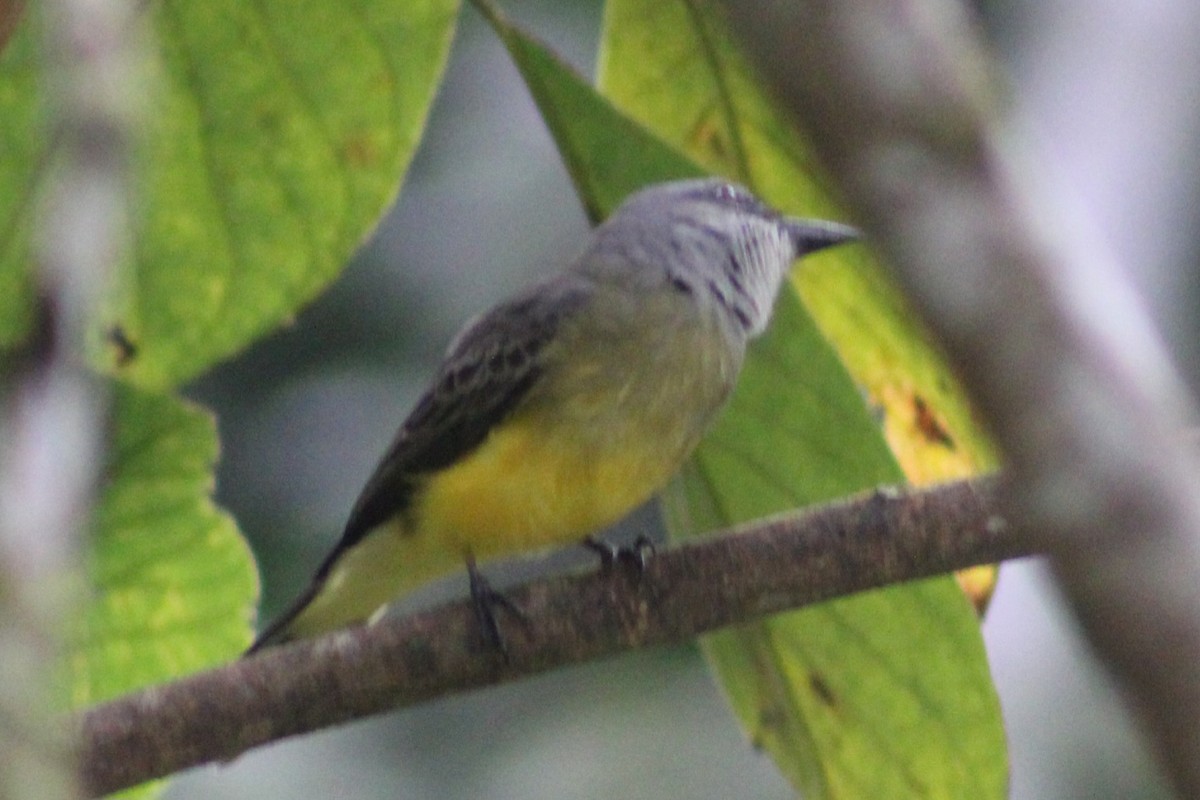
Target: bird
column 559, row 411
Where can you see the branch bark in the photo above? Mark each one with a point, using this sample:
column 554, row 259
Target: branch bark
column 766, row 567
column 1033, row 310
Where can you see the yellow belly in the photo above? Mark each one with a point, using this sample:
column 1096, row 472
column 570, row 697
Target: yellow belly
column 528, row 486
column 532, row 485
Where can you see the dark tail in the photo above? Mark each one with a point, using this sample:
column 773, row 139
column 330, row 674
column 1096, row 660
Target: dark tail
column 277, row 632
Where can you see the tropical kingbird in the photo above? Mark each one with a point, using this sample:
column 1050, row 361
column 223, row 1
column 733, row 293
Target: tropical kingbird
column 558, row 412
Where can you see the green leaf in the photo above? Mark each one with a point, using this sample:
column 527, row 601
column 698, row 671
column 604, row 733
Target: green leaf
column 673, row 67
column 809, row 685
column 592, row 137
column 849, row 709
column 276, row 134
column 174, row 587
column 885, row 694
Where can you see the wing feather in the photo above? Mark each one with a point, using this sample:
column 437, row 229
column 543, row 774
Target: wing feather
column 491, row 368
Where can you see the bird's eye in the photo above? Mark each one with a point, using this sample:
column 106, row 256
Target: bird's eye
column 730, row 194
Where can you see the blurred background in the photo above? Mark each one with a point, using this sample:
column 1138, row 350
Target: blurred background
column 487, row 207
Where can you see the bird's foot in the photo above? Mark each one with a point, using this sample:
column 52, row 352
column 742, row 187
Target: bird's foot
column 486, row 600
column 634, row 555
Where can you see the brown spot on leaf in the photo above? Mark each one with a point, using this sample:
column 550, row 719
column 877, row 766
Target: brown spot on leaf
column 124, row 348
column 770, row 722
column 822, row 690
column 928, row 423
column 360, row 152
column 707, row 135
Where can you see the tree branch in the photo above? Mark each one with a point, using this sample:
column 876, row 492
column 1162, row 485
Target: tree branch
column 770, row 566
column 1038, row 318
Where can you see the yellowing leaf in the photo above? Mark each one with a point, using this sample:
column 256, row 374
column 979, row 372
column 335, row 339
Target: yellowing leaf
column 797, row 430
column 881, row 695
column 673, row 66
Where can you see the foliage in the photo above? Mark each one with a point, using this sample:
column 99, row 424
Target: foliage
column 278, row 134
column 848, row 697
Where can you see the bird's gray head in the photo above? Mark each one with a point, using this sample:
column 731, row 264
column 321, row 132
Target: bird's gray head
column 713, row 240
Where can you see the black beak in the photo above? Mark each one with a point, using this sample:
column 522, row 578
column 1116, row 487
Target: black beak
column 811, row 235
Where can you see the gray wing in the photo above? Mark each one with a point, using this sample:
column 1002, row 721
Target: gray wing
column 489, row 370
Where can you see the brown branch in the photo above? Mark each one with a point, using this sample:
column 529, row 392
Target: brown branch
column 1040, row 321
column 766, row 567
